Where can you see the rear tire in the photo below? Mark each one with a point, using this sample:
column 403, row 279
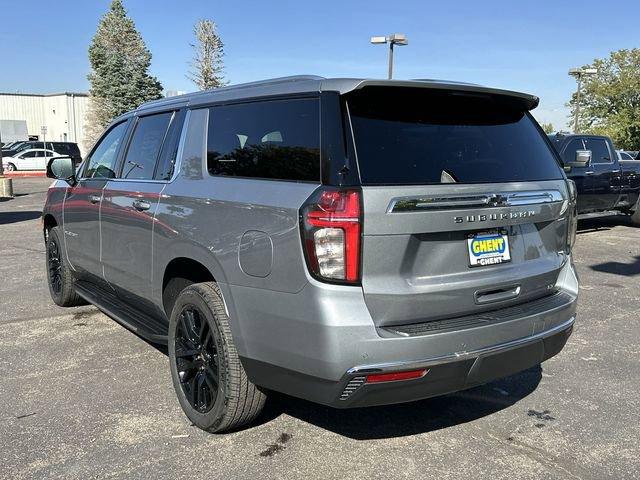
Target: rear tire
column 59, row 274
column 210, row 382
column 635, row 216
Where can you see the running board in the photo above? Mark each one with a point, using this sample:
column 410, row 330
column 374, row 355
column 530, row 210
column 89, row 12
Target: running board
column 606, row 213
column 140, row 323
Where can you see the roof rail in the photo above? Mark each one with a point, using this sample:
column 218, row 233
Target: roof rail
column 272, row 81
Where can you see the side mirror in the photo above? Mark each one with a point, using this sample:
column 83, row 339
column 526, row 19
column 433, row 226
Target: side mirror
column 583, row 159
column 61, row 168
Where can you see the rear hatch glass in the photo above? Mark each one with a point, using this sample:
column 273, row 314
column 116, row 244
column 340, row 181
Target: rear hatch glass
column 421, row 136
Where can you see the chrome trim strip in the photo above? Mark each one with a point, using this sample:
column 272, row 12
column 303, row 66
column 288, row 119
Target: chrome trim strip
column 444, row 202
column 454, row 357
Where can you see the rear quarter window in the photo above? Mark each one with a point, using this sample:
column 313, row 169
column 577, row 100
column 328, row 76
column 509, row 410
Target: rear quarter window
column 416, row 136
column 276, row 139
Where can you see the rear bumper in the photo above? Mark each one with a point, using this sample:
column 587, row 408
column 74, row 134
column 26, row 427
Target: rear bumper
column 321, row 343
column 453, row 372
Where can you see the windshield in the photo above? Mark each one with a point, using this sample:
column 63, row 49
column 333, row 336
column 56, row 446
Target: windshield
column 416, row 136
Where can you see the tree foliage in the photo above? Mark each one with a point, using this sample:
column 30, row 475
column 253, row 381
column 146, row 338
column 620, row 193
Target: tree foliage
column 119, row 78
column 610, row 100
column 207, row 65
column 547, row 127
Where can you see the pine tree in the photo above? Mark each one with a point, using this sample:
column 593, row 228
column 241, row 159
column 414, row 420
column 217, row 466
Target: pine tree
column 207, row 63
column 119, row 76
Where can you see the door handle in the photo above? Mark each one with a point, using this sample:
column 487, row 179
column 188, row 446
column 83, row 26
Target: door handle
column 589, row 172
column 94, row 198
column 141, row 205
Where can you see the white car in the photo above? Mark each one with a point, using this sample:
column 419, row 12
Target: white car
column 33, row 159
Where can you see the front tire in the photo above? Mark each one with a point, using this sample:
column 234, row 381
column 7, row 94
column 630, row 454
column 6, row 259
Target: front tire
column 11, row 168
column 209, row 380
column 59, row 274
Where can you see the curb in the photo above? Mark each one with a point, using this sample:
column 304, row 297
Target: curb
column 25, row 174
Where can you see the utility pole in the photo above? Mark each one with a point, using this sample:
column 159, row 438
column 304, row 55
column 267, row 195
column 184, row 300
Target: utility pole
column 578, row 73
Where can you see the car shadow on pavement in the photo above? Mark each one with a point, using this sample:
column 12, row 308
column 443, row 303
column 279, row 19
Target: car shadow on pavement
column 619, row 268
column 408, row 418
column 602, row 223
column 20, row 216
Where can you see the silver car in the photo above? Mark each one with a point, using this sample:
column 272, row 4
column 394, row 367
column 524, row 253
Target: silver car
column 347, row 241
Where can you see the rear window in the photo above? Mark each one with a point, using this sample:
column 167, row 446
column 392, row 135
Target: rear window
column 277, row 139
column 409, row 136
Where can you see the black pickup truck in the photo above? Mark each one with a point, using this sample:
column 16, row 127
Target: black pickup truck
column 604, row 182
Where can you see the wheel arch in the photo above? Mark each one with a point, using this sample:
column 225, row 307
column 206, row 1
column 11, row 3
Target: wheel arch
column 48, row 222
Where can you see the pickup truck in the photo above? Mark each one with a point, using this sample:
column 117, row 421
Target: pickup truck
column 603, row 181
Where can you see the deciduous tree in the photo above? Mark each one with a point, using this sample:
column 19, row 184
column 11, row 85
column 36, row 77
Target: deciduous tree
column 610, row 100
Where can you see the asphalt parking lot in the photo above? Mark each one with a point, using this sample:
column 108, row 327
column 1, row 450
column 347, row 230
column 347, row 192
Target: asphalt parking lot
column 82, row 397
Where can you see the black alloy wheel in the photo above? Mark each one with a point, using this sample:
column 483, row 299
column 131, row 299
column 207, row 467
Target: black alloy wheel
column 196, row 358
column 54, row 266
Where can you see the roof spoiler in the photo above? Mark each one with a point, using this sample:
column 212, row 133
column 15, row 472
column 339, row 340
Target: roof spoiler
column 522, row 100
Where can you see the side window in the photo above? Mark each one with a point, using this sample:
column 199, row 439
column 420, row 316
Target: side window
column 143, row 151
column 102, row 161
column 277, row 139
column 30, row 154
column 170, row 147
column 599, row 150
column 569, row 153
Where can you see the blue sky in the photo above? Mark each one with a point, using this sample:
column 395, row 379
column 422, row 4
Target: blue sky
column 520, row 45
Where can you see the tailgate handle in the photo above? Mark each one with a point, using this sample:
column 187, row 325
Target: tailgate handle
column 497, row 295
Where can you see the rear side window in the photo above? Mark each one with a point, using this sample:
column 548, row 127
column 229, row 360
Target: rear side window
column 415, row 136
column 144, row 148
column 278, row 139
column 61, row 148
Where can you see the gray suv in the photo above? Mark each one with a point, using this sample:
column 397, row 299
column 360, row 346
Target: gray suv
column 351, row 242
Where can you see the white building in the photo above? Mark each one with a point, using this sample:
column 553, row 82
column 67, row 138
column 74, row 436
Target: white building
column 63, row 114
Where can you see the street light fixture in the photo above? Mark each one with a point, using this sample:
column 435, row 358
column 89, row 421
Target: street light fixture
column 578, row 73
column 395, row 39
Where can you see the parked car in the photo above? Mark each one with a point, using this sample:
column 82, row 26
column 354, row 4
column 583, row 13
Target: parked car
column 33, row 159
column 604, row 182
column 351, row 242
column 62, row 148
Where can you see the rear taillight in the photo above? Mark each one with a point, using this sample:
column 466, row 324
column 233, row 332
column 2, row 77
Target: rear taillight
column 331, row 230
column 572, row 215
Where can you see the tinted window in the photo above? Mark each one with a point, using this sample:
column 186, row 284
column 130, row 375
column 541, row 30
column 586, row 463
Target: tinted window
column 276, row 139
column 569, row 153
column 598, row 146
column 410, row 136
column 140, row 161
column 102, row 161
column 28, row 145
column 31, row 154
column 62, row 148
column 170, row 148
column 599, row 150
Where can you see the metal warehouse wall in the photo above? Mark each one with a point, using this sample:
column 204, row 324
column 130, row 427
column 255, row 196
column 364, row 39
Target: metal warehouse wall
column 63, row 114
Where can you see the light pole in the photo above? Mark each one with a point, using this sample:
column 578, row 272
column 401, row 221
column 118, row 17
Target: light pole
column 395, row 39
column 578, row 73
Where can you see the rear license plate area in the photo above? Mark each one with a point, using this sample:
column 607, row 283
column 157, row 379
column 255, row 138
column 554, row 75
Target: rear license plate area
column 488, row 248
